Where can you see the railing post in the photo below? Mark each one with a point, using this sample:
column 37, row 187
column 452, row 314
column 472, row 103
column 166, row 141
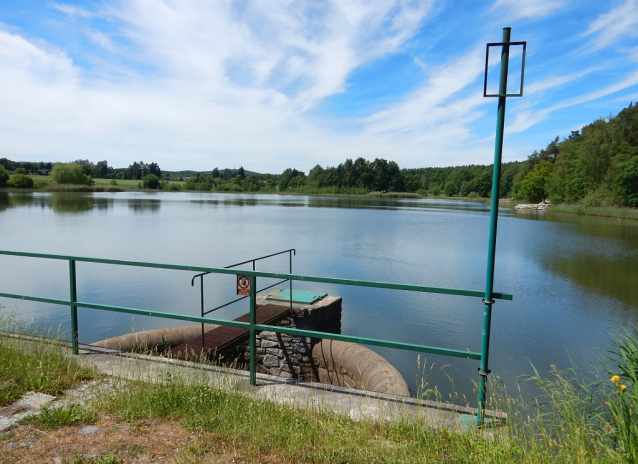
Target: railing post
column 290, row 272
column 253, row 341
column 73, row 297
column 491, row 251
column 201, row 302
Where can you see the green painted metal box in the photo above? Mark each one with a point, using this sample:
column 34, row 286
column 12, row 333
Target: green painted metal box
column 298, row 296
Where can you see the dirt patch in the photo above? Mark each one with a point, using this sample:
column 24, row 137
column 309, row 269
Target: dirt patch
column 143, row 442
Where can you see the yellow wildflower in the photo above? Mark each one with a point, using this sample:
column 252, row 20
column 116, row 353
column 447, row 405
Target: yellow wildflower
column 615, row 378
column 623, row 386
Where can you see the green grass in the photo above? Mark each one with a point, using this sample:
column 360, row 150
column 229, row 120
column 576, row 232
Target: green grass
column 607, row 211
column 36, row 366
column 72, row 414
column 262, row 428
column 577, row 418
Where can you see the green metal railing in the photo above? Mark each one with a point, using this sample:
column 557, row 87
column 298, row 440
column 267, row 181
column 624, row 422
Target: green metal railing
column 74, row 304
column 204, row 312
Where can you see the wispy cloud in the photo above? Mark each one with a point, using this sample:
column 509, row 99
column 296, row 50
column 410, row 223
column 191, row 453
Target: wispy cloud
column 526, row 119
column 73, row 10
column 619, row 22
column 556, row 81
column 517, row 9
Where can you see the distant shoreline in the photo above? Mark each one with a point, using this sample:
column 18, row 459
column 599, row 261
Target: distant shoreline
column 617, row 212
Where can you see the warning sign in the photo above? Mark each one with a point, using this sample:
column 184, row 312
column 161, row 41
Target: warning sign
column 243, row 285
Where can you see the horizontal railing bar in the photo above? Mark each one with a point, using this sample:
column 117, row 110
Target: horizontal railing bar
column 16, row 296
column 246, row 325
column 263, row 257
column 245, row 262
column 243, row 297
column 124, row 309
column 371, row 341
column 301, row 278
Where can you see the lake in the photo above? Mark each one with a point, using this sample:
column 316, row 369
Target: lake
column 573, row 277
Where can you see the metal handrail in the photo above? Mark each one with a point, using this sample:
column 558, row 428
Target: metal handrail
column 252, row 325
column 201, row 275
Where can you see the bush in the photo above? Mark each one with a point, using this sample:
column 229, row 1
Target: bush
column 21, row 181
column 113, row 182
column 150, row 181
column 20, row 171
column 70, row 173
column 4, row 177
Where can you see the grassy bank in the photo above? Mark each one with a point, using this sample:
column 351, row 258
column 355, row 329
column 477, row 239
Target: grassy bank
column 606, row 211
column 40, row 367
column 574, row 421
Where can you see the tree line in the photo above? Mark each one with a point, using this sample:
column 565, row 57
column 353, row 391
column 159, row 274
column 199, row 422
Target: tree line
column 596, row 166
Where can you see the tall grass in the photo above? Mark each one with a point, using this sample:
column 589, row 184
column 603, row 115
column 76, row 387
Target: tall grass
column 36, row 366
column 606, row 211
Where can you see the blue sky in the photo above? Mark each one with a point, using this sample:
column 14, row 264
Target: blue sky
column 270, row 85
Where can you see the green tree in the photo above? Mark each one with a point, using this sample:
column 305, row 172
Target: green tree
column 241, row 173
column 20, row 181
column 150, row 181
column 69, row 173
column 412, row 181
column 154, row 169
column 20, row 171
column 535, row 185
column 4, row 177
column 628, row 181
column 215, row 173
column 450, row 189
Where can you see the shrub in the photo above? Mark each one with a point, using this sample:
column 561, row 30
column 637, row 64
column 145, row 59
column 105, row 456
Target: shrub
column 70, row 173
column 20, row 171
column 4, row 177
column 113, row 182
column 21, row 181
column 150, row 181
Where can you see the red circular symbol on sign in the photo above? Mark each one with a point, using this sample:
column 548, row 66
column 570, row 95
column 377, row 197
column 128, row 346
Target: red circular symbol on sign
column 243, row 282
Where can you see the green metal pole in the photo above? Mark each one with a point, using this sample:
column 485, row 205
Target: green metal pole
column 253, row 348
column 201, row 306
column 491, row 250
column 73, row 297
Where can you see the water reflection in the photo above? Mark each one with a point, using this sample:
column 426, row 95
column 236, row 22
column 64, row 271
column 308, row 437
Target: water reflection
column 60, row 202
column 144, row 205
column 341, row 202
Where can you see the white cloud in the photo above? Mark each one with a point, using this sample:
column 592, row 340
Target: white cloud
column 226, row 86
column 618, row 22
column 517, row 9
column 528, row 118
column 539, row 86
column 73, row 10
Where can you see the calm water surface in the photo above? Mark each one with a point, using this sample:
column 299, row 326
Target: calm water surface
column 573, row 278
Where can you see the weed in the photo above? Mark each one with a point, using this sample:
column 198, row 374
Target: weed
column 73, row 414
